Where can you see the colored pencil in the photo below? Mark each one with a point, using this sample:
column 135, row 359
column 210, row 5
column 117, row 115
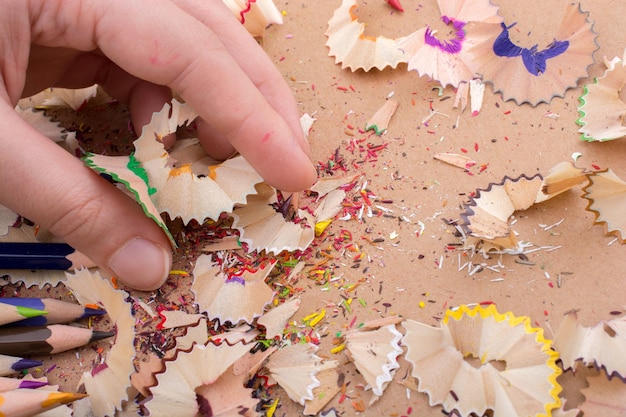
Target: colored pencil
column 44, row 340
column 12, row 364
column 9, row 384
column 29, row 402
column 28, row 255
column 11, row 313
column 58, row 311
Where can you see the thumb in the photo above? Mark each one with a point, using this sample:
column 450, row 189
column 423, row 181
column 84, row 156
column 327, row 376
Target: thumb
column 47, row 185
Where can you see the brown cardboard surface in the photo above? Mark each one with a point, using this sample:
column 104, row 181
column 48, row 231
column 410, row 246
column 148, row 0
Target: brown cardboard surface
column 512, row 139
column 584, row 273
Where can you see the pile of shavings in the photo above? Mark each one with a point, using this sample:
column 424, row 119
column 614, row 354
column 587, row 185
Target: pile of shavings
column 485, row 224
column 478, row 45
column 251, row 338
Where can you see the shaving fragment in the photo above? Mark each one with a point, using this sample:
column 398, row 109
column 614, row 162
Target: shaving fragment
column 108, row 383
column 541, row 72
column 228, row 396
column 380, row 120
column 177, row 318
column 295, row 368
column 604, row 397
column 255, row 15
column 277, row 318
column 327, row 184
column 375, row 354
column 455, row 159
column 263, row 228
column 145, row 375
column 175, row 392
column 7, row 219
column 350, row 47
column 487, row 214
column 562, row 177
column 128, row 172
column 605, row 194
column 601, row 110
column 65, row 97
column 324, row 393
column 230, row 298
column 330, row 206
column 42, row 123
column 477, row 93
column 513, row 370
column 594, row 345
column 186, row 182
column 440, row 57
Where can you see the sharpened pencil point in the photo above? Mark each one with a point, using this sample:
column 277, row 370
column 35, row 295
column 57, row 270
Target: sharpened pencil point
column 28, row 384
column 97, row 335
column 89, row 312
column 25, row 364
column 61, row 398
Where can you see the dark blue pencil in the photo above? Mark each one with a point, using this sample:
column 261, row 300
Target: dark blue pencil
column 58, row 311
column 12, row 364
column 35, row 255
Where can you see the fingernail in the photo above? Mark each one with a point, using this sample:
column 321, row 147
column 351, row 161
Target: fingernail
column 141, row 264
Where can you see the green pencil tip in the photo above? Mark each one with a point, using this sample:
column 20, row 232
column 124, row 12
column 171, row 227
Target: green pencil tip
column 28, row 312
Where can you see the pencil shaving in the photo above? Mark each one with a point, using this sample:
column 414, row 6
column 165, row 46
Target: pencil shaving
column 537, row 74
column 63, row 97
column 604, row 397
column 441, row 57
column 108, row 384
column 606, row 195
column 261, row 227
column 486, row 216
column 228, row 396
column 352, row 49
column 255, row 15
column 440, row 361
column 602, row 111
column 275, row 320
column 175, row 392
column 380, row 120
column 230, row 298
column 594, row 345
column 375, row 354
column 295, row 368
column 186, row 182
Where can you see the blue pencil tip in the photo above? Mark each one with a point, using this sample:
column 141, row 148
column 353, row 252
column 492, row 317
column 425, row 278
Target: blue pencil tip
column 89, row 312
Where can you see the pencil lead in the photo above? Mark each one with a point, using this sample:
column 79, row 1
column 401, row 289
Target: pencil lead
column 98, row 335
column 28, row 384
column 28, row 312
column 22, row 364
column 64, row 397
column 90, row 312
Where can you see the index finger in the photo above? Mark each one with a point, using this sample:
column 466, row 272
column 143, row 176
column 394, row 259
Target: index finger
column 161, row 43
column 251, row 59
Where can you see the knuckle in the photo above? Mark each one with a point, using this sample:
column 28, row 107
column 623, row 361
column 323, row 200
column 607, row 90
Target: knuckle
column 78, row 224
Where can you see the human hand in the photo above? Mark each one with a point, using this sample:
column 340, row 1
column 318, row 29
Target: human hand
column 137, row 51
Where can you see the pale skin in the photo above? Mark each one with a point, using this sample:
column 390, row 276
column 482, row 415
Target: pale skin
column 138, row 51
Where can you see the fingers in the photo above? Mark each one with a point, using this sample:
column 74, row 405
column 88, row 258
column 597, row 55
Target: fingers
column 85, row 69
column 52, row 188
column 254, row 62
column 167, row 46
